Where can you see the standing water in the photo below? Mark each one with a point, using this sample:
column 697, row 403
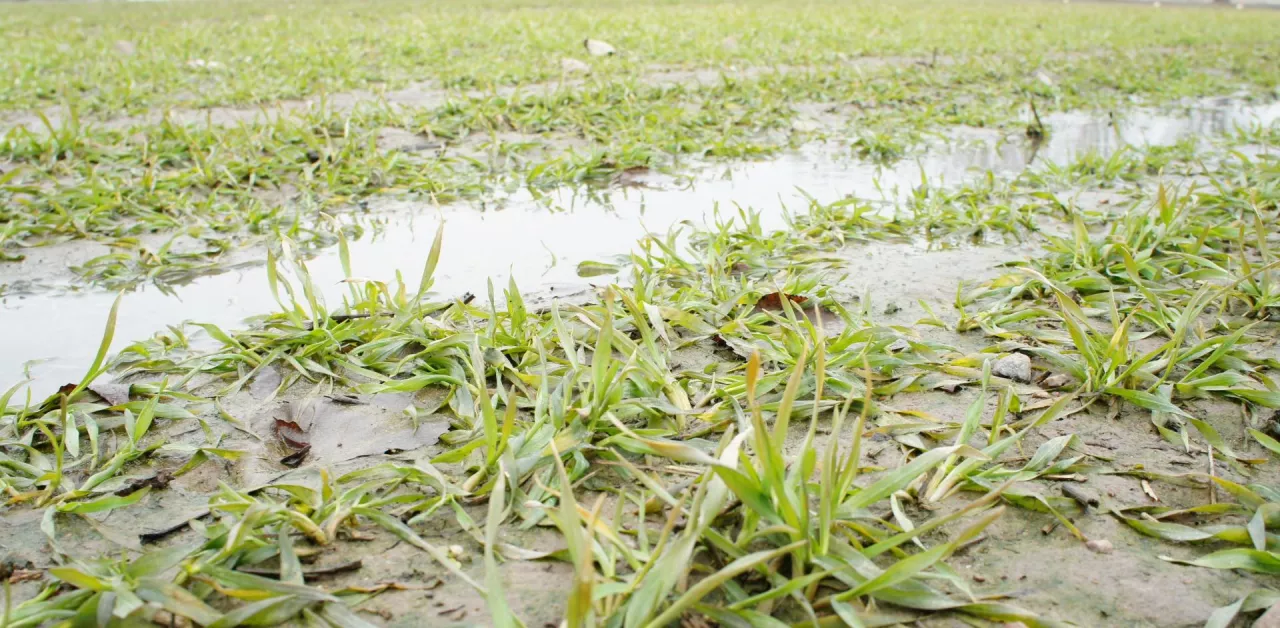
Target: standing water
column 540, row 242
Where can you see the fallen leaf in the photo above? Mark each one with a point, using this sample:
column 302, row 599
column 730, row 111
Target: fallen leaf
column 113, row 393
column 26, row 575
column 433, row 583
column 1146, row 488
column 346, row 400
column 343, row 427
column 292, row 434
column 1068, row 477
column 295, row 429
column 294, row 459
column 592, row 268
column 457, row 613
column 773, row 300
column 313, row 572
column 160, row 480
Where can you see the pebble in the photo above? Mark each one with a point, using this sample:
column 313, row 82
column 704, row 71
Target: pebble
column 1014, row 366
column 1101, row 546
column 1057, row 380
column 598, row 48
column 574, row 66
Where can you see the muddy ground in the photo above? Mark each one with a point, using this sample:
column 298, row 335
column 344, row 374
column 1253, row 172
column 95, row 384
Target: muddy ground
column 1025, row 556
column 540, row 242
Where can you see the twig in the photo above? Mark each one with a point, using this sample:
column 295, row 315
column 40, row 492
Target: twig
column 306, row 573
column 1213, row 486
column 1086, row 500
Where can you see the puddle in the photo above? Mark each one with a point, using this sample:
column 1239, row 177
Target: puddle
column 540, row 247
column 1074, row 134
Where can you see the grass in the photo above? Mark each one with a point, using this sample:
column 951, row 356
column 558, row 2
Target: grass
column 698, row 433
column 265, row 52
column 542, row 399
column 80, row 176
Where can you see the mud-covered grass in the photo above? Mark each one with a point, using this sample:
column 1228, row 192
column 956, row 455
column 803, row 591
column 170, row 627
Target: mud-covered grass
column 1043, row 399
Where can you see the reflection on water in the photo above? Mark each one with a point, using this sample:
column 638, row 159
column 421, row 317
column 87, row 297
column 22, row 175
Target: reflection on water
column 539, row 242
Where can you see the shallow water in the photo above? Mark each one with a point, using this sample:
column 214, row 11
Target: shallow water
column 539, row 243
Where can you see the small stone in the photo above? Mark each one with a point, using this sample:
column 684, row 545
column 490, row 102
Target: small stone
column 201, row 64
column 898, row 345
column 805, row 126
column 574, row 66
column 1014, row 366
column 1101, row 546
column 891, row 309
column 1057, row 380
column 598, row 48
column 125, row 48
column 979, row 578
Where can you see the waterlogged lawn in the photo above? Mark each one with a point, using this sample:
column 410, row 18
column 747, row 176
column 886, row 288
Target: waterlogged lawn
column 93, row 150
column 1039, row 399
